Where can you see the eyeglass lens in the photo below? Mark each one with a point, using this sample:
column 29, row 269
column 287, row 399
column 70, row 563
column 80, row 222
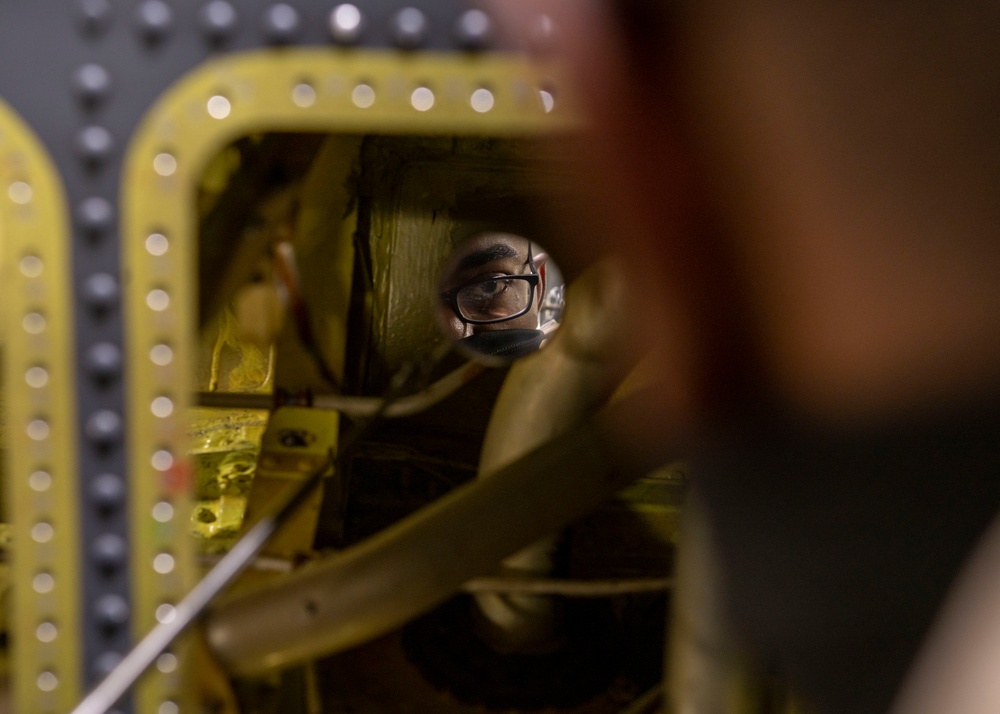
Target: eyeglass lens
column 495, row 299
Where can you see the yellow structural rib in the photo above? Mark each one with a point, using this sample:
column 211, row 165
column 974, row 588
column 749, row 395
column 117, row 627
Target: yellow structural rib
column 40, row 432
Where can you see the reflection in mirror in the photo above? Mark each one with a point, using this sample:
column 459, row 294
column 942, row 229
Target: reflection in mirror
column 500, row 296
column 318, row 258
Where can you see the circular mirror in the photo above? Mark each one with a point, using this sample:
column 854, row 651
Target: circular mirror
column 500, row 296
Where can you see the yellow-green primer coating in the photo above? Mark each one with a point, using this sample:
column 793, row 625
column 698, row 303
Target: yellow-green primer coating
column 41, row 490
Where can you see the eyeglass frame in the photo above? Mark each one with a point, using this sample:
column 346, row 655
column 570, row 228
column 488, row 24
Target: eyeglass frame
column 533, row 279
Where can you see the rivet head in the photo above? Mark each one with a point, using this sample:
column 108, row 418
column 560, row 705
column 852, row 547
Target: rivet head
column 109, row 551
column 105, row 662
column 473, row 30
column 347, row 24
column 92, row 83
column 104, row 427
column 111, row 610
column 95, row 215
column 95, row 15
column 281, row 23
column 94, row 144
column 218, row 20
column 154, row 19
column 409, row 28
column 107, row 492
column 104, row 361
column 100, row 291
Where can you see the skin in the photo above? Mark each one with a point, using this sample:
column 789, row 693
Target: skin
column 805, row 195
column 483, row 256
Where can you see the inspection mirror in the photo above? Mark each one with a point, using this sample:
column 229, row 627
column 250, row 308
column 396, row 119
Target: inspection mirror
column 500, row 296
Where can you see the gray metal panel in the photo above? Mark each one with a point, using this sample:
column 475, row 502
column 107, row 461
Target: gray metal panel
column 51, row 54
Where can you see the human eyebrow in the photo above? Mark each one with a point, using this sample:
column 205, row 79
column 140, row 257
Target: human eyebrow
column 497, row 251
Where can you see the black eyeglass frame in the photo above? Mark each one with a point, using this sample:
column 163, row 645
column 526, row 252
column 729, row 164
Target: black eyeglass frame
column 532, row 278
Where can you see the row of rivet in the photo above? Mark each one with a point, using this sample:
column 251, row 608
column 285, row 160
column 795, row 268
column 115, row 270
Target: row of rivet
column 281, row 23
column 38, row 430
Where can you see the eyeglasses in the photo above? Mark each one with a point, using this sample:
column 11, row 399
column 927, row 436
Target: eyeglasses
column 494, row 299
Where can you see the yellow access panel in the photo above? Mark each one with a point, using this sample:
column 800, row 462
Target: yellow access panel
column 101, row 146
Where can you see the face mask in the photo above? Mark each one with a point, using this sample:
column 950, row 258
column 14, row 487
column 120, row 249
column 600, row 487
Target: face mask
column 503, row 344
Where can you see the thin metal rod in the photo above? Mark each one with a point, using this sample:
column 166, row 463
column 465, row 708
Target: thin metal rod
column 238, row 559
column 142, row 656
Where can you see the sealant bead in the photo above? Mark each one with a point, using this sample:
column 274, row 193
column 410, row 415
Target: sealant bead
column 105, row 662
column 107, row 492
column 409, row 28
column 474, row 30
column 104, row 427
column 109, row 551
column 111, row 610
column 104, row 360
column 92, row 83
column 95, row 215
column 346, row 24
column 218, row 20
column 281, row 23
column 94, row 144
column 100, row 291
column 95, row 15
column 154, row 19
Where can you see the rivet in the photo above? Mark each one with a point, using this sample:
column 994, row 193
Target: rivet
column 409, row 28
column 346, row 24
column 218, row 107
column 168, row 707
column 166, row 662
column 92, row 83
column 47, row 681
column 165, row 613
column 281, row 23
column 481, row 100
column 109, row 551
column 161, row 355
column 218, row 20
column 105, row 662
column 94, row 144
column 111, row 610
column 100, row 291
column 303, row 95
column 548, row 100
column 42, row 532
column 95, row 215
column 36, row 377
column 104, row 427
column 162, row 460
column 163, row 512
column 473, row 30
column 158, row 300
column 107, row 492
column 43, row 583
column 163, row 563
column 40, row 481
column 20, row 192
column 422, row 99
column 165, row 164
column 363, row 96
column 38, row 430
column 31, row 266
column 95, row 15
column 154, row 19
column 162, row 407
column 157, row 244
column 104, row 360
column 46, row 632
